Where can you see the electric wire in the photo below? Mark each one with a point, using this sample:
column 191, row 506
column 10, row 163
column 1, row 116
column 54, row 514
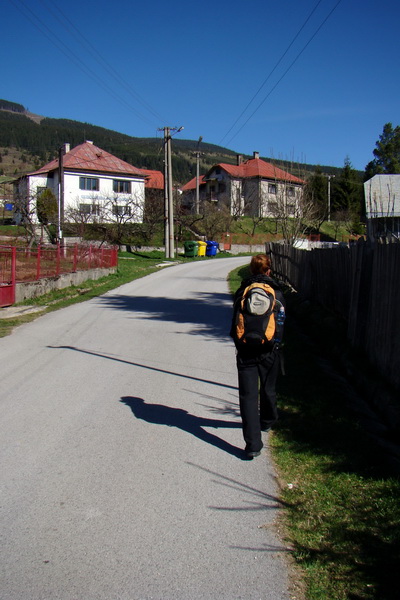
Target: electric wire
column 272, row 71
column 82, row 39
column 285, row 72
column 74, row 58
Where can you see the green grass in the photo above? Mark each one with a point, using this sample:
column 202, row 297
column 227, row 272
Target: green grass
column 340, row 495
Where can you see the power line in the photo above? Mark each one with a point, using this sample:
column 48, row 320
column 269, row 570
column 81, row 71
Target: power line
column 82, row 39
column 273, row 70
column 74, row 58
column 285, row 72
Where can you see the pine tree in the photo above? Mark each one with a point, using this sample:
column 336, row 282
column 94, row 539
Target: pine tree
column 387, row 153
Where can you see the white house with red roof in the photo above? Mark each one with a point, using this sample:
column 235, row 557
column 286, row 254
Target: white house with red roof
column 92, row 179
column 252, row 187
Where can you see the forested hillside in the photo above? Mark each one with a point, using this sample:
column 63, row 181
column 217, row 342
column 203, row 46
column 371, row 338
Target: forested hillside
column 35, row 140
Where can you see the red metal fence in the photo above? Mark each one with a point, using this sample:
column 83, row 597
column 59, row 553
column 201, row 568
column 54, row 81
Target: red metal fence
column 19, row 264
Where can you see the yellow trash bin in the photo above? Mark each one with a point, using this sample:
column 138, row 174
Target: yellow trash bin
column 202, row 246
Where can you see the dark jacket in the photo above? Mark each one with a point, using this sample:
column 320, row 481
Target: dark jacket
column 239, row 293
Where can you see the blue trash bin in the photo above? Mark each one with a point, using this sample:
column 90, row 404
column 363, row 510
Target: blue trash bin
column 212, row 248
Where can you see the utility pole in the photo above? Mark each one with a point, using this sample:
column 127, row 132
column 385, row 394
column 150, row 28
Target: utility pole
column 168, row 196
column 329, row 196
column 171, row 244
column 60, row 193
column 197, row 205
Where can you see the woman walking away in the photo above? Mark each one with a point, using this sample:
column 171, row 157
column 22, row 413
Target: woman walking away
column 257, row 324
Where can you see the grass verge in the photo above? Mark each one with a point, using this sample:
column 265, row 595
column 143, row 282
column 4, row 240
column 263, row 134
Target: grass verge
column 341, row 513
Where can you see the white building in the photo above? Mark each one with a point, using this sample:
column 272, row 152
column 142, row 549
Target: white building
column 92, row 180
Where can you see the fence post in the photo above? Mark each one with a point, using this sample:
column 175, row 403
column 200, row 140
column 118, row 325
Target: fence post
column 38, row 262
column 58, row 259
column 13, row 272
column 75, row 258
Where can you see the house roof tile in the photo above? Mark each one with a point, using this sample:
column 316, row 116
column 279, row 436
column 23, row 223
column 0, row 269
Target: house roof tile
column 154, row 179
column 191, row 185
column 256, row 167
column 88, row 157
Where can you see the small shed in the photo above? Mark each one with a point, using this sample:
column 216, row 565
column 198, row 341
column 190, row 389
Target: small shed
column 382, row 206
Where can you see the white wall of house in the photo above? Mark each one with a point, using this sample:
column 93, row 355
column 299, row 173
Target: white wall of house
column 278, row 197
column 75, row 197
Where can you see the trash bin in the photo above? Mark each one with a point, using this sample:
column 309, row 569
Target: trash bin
column 202, row 248
column 212, row 248
column 190, row 248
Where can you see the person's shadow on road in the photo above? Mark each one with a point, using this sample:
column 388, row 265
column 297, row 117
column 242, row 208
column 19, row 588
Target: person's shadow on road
column 160, row 414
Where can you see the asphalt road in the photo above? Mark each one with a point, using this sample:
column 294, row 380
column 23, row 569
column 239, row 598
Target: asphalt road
column 122, row 471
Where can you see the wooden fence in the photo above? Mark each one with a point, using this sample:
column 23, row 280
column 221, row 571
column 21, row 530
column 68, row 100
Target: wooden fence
column 361, row 284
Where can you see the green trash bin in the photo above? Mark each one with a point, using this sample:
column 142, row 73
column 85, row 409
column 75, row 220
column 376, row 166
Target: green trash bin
column 201, row 249
column 190, row 248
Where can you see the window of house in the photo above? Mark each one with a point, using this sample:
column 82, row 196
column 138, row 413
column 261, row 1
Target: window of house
column 89, row 209
column 290, row 192
column 121, row 210
column 272, row 188
column 85, row 209
column 89, row 183
column 121, row 186
column 291, row 208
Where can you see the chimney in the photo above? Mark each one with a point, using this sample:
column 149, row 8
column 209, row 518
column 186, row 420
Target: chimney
column 239, row 159
column 256, row 155
column 67, row 147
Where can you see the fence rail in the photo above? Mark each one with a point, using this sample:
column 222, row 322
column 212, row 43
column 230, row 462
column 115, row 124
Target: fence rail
column 20, row 264
column 361, row 284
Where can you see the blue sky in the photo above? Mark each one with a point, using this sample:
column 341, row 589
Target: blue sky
column 303, row 80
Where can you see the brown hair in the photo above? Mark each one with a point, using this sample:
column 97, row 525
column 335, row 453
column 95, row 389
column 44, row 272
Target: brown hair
column 260, row 264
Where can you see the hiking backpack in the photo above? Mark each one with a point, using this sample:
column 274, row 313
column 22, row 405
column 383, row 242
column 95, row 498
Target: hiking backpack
column 255, row 325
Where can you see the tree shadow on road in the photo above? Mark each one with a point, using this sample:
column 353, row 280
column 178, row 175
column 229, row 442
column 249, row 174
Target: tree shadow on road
column 159, row 414
column 210, row 313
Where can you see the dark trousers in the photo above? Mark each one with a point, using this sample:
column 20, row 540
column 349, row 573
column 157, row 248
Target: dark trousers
column 257, row 395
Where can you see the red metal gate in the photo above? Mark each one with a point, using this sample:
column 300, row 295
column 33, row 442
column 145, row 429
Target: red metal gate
column 7, row 275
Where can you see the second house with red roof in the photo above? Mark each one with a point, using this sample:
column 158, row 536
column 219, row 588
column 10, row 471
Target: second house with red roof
column 249, row 188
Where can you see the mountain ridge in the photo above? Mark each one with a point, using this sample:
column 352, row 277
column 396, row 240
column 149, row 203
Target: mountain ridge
column 37, row 138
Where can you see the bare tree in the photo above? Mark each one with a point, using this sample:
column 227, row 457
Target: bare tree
column 47, row 213
column 293, row 214
column 216, row 220
column 122, row 214
column 83, row 218
column 25, row 215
